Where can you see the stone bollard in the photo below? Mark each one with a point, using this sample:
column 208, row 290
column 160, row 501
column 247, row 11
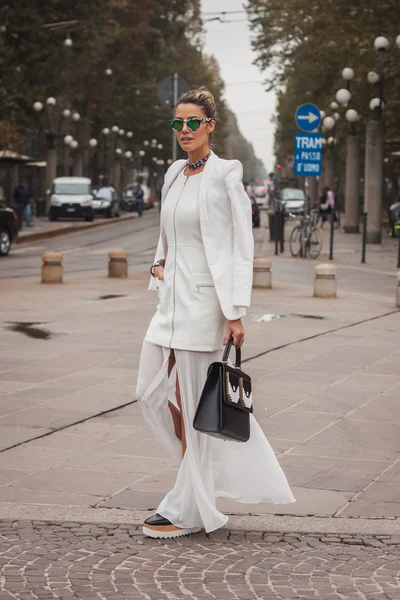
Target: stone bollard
column 398, row 290
column 52, row 269
column 262, row 276
column 325, row 283
column 118, row 263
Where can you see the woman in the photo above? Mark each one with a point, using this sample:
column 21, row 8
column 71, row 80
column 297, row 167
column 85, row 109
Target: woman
column 203, row 274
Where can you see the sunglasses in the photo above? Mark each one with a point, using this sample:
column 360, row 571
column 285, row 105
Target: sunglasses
column 193, row 123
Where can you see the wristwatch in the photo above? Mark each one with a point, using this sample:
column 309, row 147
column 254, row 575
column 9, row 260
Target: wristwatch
column 160, row 263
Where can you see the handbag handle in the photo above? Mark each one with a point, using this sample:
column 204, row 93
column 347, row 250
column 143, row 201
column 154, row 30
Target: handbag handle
column 227, row 351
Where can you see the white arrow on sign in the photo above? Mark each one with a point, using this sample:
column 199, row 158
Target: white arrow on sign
column 311, row 117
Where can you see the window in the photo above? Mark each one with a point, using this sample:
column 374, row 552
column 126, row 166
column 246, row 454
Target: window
column 71, row 189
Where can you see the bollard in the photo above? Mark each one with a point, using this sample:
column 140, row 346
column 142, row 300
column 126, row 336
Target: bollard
column 398, row 290
column 52, row 269
column 118, row 263
column 325, row 283
column 262, row 276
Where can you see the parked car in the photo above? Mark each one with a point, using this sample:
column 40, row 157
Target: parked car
column 261, row 195
column 293, row 200
column 255, row 211
column 8, row 229
column 106, row 203
column 129, row 201
column 71, row 197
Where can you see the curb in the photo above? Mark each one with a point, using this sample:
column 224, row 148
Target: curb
column 265, row 524
column 73, row 228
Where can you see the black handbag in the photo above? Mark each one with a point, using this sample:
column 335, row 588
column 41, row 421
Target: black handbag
column 226, row 401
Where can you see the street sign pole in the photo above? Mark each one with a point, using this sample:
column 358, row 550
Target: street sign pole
column 175, row 100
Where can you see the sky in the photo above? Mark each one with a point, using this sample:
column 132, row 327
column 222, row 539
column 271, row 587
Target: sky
column 245, row 93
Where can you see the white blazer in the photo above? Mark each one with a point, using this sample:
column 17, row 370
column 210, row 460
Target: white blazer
column 226, row 229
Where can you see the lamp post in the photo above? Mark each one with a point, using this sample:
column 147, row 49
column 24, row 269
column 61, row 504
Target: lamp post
column 329, row 124
column 374, row 151
column 105, row 132
column 51, row 134
column 352, row 178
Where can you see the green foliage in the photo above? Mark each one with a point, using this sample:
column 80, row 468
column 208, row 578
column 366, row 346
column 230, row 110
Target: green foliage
column 304, row 46
column 142, row 42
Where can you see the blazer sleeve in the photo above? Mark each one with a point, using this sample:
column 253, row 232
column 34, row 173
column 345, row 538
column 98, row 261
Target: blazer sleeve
column 161, row 252
column 243, row 241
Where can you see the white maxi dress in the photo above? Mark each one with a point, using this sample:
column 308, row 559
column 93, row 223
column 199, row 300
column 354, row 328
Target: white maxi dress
column 211, row 468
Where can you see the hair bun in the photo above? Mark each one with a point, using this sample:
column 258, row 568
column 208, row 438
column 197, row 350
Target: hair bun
column 203, row 98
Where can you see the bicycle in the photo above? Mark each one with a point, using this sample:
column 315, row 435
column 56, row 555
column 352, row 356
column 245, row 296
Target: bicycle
column 306, row 238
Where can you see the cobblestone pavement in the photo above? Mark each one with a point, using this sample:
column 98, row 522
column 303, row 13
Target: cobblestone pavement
column 110, row 562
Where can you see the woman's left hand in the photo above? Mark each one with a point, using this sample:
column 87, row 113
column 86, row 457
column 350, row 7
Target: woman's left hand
column 234, row 328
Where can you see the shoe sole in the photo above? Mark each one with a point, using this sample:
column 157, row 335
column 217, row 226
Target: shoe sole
column 161, row 532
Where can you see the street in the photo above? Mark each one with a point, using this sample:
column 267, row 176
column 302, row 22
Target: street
column 79, row 470
column 87, row 251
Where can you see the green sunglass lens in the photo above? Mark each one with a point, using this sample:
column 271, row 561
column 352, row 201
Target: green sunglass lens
column 193, row 124
column 177, row 125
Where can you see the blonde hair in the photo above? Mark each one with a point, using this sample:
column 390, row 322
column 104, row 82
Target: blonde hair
column 202, row 98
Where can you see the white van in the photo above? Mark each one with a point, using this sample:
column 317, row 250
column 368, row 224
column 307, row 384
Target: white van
column 71, row 197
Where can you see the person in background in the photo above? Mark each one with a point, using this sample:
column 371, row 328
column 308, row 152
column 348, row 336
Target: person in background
column 22, row 199
column 394, row 217
column 140, row 199
column 324, row 207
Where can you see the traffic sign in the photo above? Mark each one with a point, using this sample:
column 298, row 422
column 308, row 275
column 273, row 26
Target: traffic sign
column 308, row 154
column 308, row 117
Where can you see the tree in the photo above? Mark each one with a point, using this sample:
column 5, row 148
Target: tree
column 303, row 49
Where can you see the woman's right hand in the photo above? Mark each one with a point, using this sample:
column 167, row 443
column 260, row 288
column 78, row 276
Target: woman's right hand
column 159, row 273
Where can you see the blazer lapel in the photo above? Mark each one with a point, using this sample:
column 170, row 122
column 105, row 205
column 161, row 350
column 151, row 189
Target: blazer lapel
column 179, row 166
column 203, row 210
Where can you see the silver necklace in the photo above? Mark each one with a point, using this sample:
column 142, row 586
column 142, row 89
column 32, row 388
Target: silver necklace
column 198, row 163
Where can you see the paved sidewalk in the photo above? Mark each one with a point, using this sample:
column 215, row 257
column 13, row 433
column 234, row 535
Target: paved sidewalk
column 43, row 228
column 43, row 561
column 326, row 381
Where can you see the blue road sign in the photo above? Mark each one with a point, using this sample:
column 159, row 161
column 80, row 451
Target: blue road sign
column 308, row 154
column 308, row 117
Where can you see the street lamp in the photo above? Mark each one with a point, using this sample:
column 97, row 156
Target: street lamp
column 106, row 132
column 398, row 41
column 115, row 129
column 66, row 113
column 118, row 151
column 93, row 143
column 146, row 143
column 121, row 132
column 68, row 140
column 348, row 74
column 68, row 43
column 372, row 77
column 128, row 154
column 74, row 144
column 352, row 115
column 329, row 123
column 129, row 134
column 76, row 117
column 51, row 102
column 343, row 96
column 160, row 146
column 38, row 107
column 334, row 105
column 381, row 43
column 142, row 153
column 108, row 72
